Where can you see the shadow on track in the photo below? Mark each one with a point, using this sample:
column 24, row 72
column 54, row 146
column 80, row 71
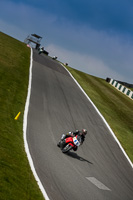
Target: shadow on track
column 74, row 155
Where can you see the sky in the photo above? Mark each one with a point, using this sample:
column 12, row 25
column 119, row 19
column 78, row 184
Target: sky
column 93, row 36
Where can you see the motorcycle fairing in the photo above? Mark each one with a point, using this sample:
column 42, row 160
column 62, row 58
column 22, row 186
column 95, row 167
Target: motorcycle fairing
column 69, row 140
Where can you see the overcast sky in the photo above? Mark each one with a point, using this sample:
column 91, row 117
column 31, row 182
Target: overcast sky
column 93, row 36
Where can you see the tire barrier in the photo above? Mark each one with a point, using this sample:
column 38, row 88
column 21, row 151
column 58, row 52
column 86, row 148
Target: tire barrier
column 121, row 88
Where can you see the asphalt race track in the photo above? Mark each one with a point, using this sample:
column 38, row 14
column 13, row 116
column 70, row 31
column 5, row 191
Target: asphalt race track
column 99, row 169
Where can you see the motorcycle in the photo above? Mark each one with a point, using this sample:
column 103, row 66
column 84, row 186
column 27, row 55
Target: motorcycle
column 69, row 143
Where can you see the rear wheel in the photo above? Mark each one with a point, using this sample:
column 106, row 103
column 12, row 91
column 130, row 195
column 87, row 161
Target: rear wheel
column 67, row 148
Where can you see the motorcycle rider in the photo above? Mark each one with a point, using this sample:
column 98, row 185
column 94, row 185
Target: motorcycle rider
column 81, row 134
column 41, row 50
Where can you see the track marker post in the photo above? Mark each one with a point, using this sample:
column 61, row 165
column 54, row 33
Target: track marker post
column 17, row 116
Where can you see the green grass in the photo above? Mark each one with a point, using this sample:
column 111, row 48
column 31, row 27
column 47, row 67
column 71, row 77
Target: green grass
column 16, row 179
column 116, row 108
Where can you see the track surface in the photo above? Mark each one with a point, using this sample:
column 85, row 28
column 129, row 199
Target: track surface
column 57, row 106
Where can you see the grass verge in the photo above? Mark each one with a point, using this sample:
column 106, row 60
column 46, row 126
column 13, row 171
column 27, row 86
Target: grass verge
column 17, row 180
column 116, row 108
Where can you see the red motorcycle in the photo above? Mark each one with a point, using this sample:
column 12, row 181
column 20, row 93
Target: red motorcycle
column 69, row 143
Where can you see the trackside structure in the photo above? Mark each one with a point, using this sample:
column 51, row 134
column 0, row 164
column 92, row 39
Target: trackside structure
column 33, row 38
column 121, row 88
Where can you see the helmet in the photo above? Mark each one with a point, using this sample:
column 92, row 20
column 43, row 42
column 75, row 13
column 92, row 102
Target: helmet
column 84, row 131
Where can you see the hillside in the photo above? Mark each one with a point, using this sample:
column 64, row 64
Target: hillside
column 116, row 108
column 17, row 180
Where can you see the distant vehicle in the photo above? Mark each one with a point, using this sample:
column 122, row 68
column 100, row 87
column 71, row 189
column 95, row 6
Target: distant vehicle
column 41, row 50
column 54, row 58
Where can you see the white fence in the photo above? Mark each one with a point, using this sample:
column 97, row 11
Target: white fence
column 122, row 88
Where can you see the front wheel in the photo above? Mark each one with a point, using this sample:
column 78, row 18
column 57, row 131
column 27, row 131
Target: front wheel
column 67, row 148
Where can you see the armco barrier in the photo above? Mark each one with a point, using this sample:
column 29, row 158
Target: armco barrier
column 121, row 88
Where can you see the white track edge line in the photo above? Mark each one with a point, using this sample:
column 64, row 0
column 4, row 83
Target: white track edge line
column 101, row 117
column 25, row 128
